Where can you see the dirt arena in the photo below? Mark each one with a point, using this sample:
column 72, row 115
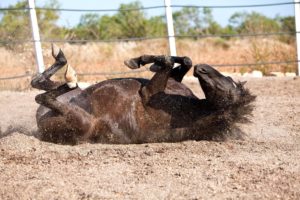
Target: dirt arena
column 264, row 165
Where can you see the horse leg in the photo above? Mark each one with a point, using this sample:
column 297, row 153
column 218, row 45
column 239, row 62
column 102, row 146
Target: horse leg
column 71, row 121
column 42, row 81
column 57, row 130
column 180, row 71
column 162, row 65
column 177, row 73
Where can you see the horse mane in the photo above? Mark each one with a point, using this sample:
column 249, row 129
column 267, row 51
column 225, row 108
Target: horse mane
column 241, row 110
column 228, row 118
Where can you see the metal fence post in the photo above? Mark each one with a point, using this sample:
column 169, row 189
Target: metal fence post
column 170, row 26
column 297, row 23
column 36, row 37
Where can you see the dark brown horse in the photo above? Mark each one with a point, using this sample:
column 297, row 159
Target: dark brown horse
column 135, row 110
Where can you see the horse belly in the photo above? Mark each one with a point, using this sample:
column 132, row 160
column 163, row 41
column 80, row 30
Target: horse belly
column 119, row 105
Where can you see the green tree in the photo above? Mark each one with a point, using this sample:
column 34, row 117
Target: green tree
column 156, row 26
column 47, row 20
column 133, row 22
column 195, row 21
column 287, row 24
column 187, row 21
column 109, row 27
column 87, row 27
column 253, row 22
column 128, row 22
column 15, row 24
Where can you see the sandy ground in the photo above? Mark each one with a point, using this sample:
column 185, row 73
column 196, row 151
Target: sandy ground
column 265, row 165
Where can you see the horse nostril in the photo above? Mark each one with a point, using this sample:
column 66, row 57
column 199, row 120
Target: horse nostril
column 200, row 70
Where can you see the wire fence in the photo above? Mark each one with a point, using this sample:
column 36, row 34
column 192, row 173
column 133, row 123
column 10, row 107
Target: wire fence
column 269, row 34
column 243, row 35
column 145, row 70
column 154, row 7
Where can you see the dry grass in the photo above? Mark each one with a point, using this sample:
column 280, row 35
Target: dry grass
column 109, row 57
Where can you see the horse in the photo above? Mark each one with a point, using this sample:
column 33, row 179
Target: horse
column 138, row 110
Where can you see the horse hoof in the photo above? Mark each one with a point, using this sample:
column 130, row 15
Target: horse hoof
column 132, row 63
column 55, row 50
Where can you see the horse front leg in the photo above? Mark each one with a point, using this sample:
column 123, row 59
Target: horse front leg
column 177, row 73
column 162, row 65
column 180, row 71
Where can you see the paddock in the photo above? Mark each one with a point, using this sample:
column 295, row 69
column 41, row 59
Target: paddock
column 265, row 164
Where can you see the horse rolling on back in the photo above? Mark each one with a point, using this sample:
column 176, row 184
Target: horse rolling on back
column 136, row 110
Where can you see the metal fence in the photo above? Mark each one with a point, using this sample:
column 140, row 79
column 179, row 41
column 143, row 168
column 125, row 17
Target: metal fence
column 171, row 36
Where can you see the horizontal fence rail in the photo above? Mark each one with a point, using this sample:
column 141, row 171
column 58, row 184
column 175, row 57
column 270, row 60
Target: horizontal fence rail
column 236, row 6
column 244, row 35
column 154, row 7
column 16, row 77
column 146, row 70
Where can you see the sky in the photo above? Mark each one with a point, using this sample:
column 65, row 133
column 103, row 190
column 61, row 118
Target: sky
column 222, row 16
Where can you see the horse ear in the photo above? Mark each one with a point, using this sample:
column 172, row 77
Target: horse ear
column 243, row 83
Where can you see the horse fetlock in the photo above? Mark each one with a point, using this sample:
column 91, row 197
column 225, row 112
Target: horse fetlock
column 156, row 67
column 35, row 81
column 71, row 77
column 38, row 81
column 166, row 61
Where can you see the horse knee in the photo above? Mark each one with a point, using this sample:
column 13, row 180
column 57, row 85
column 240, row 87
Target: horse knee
column 44, row 99
column 78, row 119
column 187, row 62
column 40, row 98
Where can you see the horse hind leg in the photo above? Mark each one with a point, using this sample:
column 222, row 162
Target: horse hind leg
column 42, row 81
column 57, row 130
column 54, row 89
column 71, row 121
